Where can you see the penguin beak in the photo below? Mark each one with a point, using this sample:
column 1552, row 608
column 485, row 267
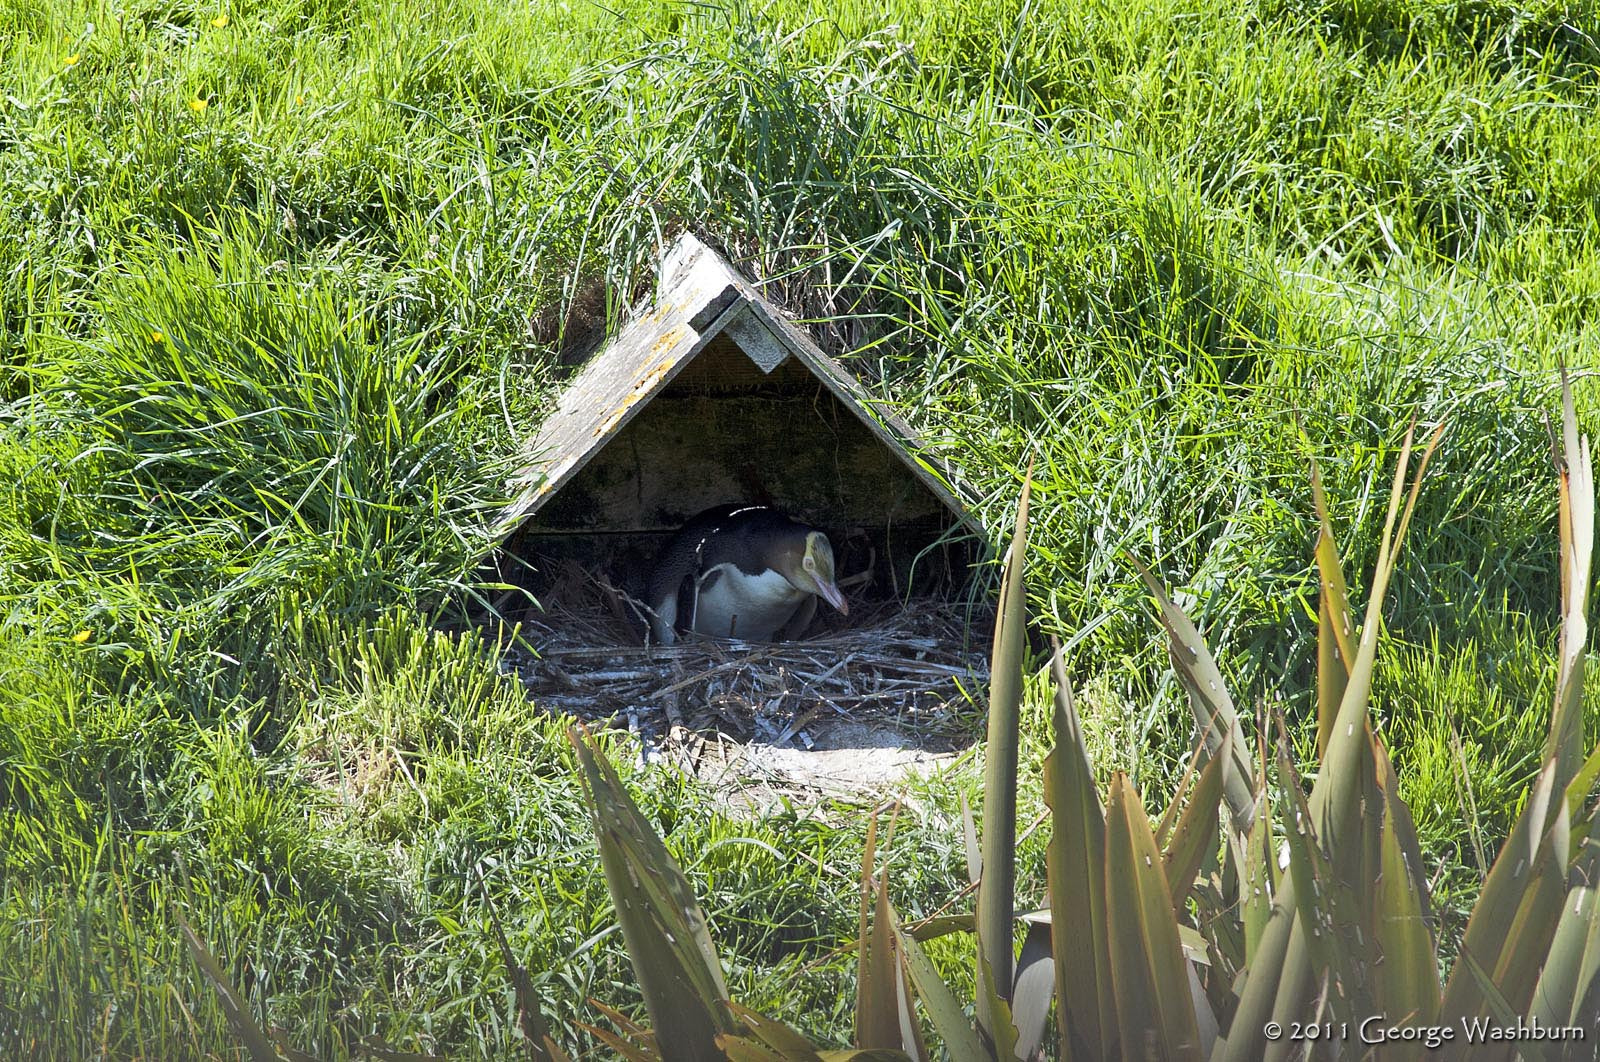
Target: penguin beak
column 831, row 594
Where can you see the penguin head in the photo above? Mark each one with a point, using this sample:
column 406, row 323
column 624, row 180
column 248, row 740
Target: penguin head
column 816, row 575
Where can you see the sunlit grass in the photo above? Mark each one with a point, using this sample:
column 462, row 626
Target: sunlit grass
column 283, row 285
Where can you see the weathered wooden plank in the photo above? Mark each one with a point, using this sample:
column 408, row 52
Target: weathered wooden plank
column 631, row 369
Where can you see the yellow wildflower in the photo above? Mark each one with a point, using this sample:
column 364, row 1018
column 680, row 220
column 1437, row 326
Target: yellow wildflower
column 81, row 637
column 220, row 21
column 198, row 105
column 157, row 337
column 72, row 60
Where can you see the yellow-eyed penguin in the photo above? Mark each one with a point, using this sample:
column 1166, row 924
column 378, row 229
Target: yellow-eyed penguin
column 745, row 572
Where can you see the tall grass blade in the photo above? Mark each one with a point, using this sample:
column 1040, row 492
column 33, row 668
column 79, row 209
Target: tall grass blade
column 631, row 1050
column 910, row 1028
column 997, row 885
column 1564, row 743
column 1495, row 1005
column 371, row 1047
column 1560, row 995
column 1180, row 796
column 777, row 1037
column 662, row 923
column 1286, row 960
column 1035, row 985
column 633, row 1041
column 1583, row 783
column 1155, row 1012
column 1398, row 817
column 1075, row 872
column 739, row 1049
column 1257, row 880
column 1000, row 1035
column 1586, row 989
column 1336, row 634
column 1328, row 910
column 240, row 1018
column 1195, row 836
column 530, row 1018
column 944, row 1009
column 1209, row 700
column 875, row 989
column 969, row 842
column 1204, row 1014
column 884, row 1015
column 1407, row 977
column 766, row 1040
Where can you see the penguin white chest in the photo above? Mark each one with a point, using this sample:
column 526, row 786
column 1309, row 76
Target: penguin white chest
column 732, row 604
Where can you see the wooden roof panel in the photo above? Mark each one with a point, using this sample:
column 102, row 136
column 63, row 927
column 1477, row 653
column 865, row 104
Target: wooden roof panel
column 701, row 295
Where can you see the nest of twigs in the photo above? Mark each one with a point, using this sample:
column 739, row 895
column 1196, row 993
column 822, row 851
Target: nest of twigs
column 914, row 669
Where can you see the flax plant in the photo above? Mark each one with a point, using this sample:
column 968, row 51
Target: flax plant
column 1252, row 911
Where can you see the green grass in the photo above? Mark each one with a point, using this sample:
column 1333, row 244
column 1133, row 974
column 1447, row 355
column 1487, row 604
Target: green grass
column 1175, row 251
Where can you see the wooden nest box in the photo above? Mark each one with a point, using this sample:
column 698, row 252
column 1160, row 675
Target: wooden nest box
column 711, row 398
